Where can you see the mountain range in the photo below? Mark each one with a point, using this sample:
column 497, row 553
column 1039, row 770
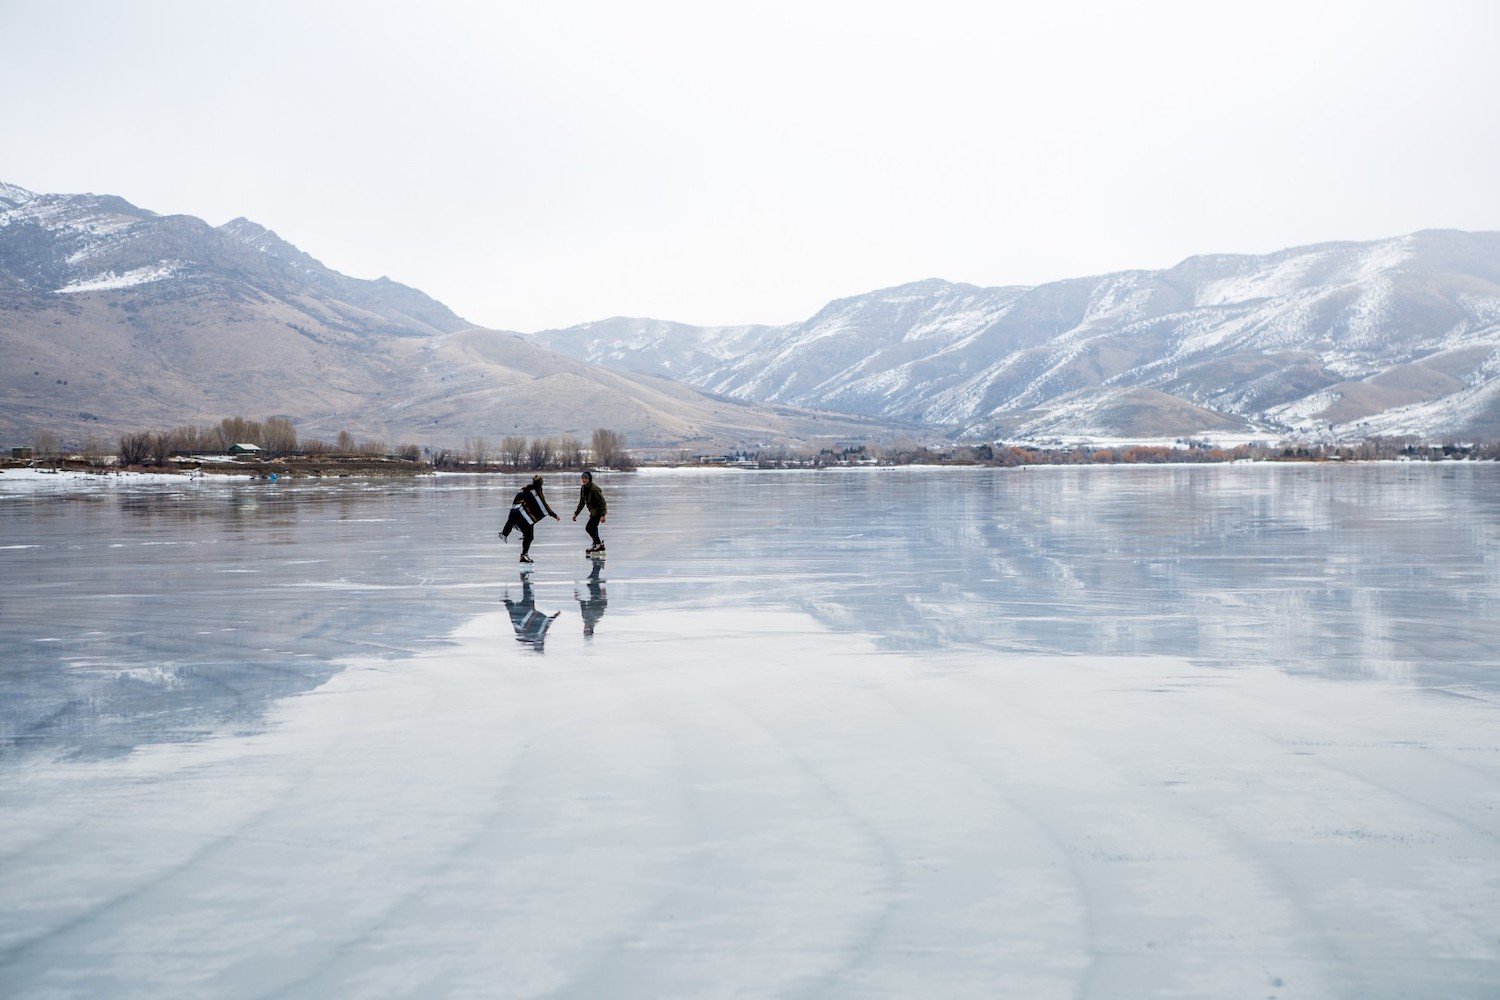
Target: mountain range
column 114, row 318
column 1394, row 336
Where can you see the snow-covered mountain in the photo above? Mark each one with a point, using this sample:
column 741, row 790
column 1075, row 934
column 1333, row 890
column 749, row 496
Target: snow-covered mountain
column 65, row 244
column 115, row 319
column 1392, row 336
column 676, row 350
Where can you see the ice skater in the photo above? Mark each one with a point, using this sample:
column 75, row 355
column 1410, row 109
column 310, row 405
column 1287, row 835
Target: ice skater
column 592, row 497
column 529, row 506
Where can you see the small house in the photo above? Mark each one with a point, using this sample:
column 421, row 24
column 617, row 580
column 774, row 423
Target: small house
column 244, row 449
column 21, row 453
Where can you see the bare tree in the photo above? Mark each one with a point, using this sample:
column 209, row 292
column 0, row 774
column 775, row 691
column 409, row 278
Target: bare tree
column 609, row 449
column 95, row 452
column 540, row 452
column 190, row 438
column 134, row 448
column 237, row 430
column 409, row 452
column 161, row 448
column 477, row 449
column 278, row 436
column 513, row 449
column 345, row 443
column 569, row 452
column 46, row 444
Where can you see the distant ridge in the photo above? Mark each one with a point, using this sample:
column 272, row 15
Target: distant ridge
column 1395, row 336
column 114, row 318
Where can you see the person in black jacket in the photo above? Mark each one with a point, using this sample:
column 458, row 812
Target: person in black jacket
column 592, row 497
column 528, row 507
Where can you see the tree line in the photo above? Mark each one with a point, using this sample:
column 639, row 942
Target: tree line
column 1186, row 451
column 277, row 438
column 516, row 451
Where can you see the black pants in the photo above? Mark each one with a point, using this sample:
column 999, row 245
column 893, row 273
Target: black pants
column 527, row 531
column 593, row 529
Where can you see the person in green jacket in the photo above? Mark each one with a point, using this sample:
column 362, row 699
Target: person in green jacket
column 592, row 497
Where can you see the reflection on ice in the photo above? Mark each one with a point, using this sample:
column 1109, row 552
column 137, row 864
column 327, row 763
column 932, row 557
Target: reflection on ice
column 591, row 608
column 165, row 612
column 175, row 615
column 530, row 624
column 1357, row 571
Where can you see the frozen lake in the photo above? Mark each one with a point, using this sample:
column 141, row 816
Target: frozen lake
column 1097, row 732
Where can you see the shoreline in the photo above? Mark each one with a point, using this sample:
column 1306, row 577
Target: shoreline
column 276, row 474
column 20, row 483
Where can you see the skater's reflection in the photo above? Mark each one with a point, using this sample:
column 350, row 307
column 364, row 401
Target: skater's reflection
column 592, row 606
column 530, row 624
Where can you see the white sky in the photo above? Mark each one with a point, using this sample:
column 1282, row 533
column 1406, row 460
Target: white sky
column 541, row 164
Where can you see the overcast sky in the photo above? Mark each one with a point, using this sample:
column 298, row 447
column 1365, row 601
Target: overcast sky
column 536, row 164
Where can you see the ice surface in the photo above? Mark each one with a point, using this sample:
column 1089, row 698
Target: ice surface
column 1104, row 732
